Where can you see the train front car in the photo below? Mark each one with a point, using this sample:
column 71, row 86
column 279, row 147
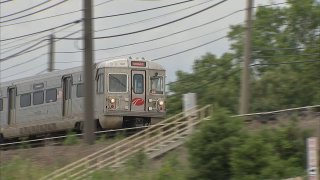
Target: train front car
column 134, row 94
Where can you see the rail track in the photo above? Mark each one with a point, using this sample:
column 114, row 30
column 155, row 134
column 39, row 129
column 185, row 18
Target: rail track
column 263, row 117
column 59, row 140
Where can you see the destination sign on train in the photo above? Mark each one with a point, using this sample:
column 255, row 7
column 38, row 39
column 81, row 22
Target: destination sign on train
column 138, row 63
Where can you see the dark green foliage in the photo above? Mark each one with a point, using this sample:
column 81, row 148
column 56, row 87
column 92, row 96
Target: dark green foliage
column 171, row 170
column 215, row 80
column 271, row 154
column 210, row 148
column 222, row 150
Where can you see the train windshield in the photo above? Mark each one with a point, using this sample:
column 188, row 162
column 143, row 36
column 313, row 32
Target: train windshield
column 157, row 85
column 118, row 82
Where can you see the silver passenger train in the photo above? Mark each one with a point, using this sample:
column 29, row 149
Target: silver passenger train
column 128, row 92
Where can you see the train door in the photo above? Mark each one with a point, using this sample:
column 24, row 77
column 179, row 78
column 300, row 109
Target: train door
column 12, row 93
column 138, row 94
column 67, row 101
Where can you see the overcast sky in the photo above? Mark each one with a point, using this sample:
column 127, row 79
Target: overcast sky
column 113, row 26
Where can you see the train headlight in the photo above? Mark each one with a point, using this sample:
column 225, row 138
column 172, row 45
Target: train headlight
column 161, row 103
column 112, row 100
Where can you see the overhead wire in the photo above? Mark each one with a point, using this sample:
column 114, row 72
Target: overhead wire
column 39, row 32
column 27, row 9
column 288, row 55
column 258, row 49
column 28, row 61
column 2, row 2
column 155, row 17
column 144, row 10
column 24, row 71
column 17, row 46
column 110, row 16
column 30, row 14
column 178, row 32
column 22, row 51
column 170, row 22
column 179, row 19
column 158, row 26
column 114, row 15
column 160, row 47
column 103, row 3
column 29, row 49
column 189, row 49
column 287, row 62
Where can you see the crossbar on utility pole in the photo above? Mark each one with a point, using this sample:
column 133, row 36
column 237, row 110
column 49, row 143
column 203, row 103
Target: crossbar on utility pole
column 51, row 53
column 245, row 79
column 89, row 124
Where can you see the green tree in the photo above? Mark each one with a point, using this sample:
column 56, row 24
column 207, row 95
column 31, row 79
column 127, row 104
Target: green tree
column 210, row 147
column 170, row 170
column 282, row 35
column 214, row 80
column 272, row 153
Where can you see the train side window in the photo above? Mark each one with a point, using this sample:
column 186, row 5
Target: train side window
column 100, row 84
column 38, row 97
column 80, row 90
column 51, row 95
column 138, row 86
column 1, row 105
column 118, row 82
column 25, row 100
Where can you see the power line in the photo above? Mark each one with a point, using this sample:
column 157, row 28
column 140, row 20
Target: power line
column 28, row 61
column 29, row 49
column 22, row 51
column 48, row 17
column 39, row 32
column 154, row 39
column 26, row 70
column 27, row 9
column 152, row 49
column 154, row 27
column 179, row 42
column 49, row 7
column 5, row 1
column 17, row 46
column 287, row 62
column 259, row 49
column 155, row 17
column 287, row 55
column 195, row 47
column 144, row 10
column 114, row 15
column 156, row 49
column 158, row 26
column 103, row 3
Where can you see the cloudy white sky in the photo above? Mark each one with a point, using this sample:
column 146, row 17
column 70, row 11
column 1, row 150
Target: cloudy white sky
column 13, row 26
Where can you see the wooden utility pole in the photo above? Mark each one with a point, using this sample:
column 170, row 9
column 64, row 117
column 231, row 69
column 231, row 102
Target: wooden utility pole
column 51, row 53
column 89, row 124
column 245, row 79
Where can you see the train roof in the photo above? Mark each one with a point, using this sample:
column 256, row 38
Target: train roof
column 123, row 62
column 130, row 63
